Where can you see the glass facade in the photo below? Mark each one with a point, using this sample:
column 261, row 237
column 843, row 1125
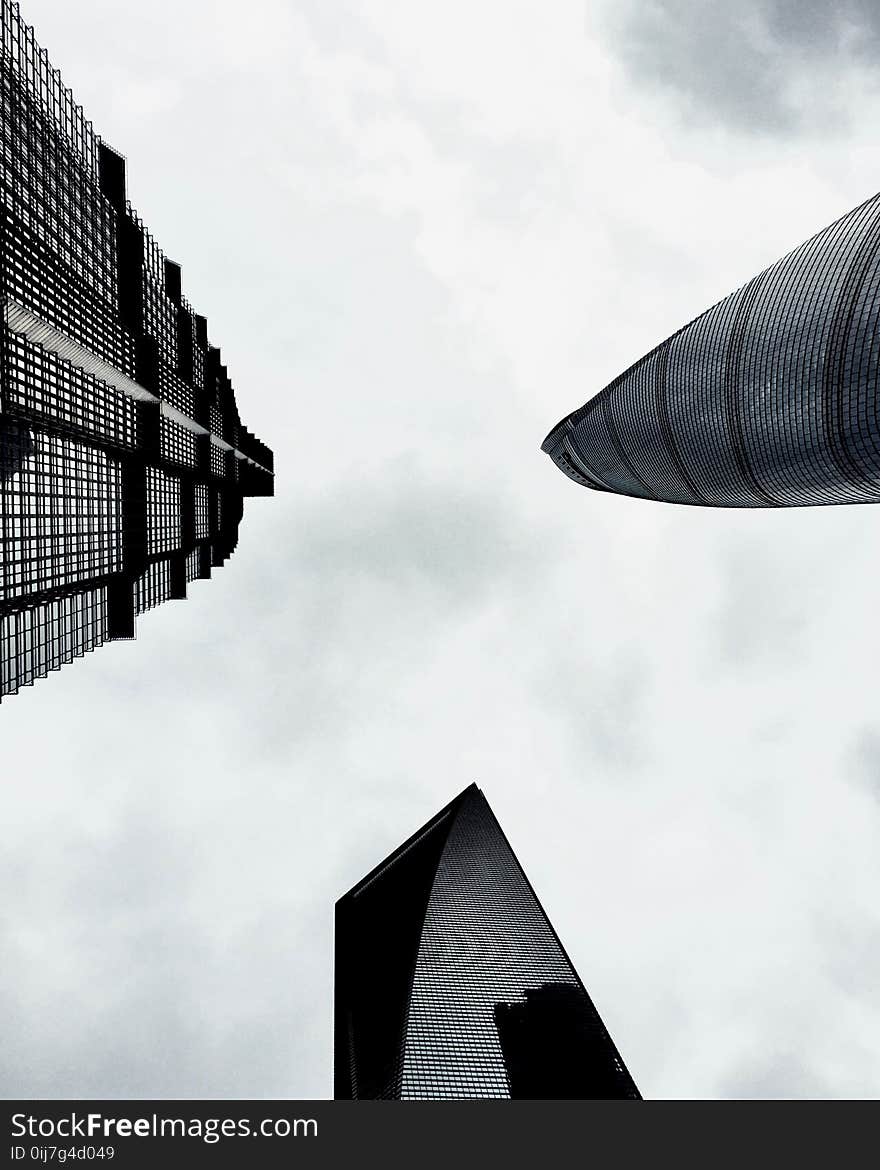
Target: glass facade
column 451, row 982
column 123, row 460
column 769, row 399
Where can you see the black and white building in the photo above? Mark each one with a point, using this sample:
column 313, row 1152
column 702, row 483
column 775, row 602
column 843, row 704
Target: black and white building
column 123, row 460
column 768, row 400
column 451, row 982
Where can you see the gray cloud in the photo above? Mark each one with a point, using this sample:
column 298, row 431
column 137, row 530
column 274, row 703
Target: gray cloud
column 602, row 714
column 378, row 577
column 865, row 759
column 851, row 951
column 760, row 66
column 761, row 618
column 781, row 1076
column 122, row 973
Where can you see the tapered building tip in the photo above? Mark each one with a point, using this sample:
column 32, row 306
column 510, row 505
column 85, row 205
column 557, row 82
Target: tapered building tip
column 766, row 400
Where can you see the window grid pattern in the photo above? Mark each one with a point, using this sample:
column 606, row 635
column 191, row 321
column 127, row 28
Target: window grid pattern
column 40, row 280
column 163, row 511
column 60, row 518
column 193, row 565
column 45, row 637
column 154, row 257
column 85, row 484
column 203, row 519
column 485, row 940
column 218, row 461
column 175, row 391
column 160, row 320
column 444, row 959
column 31, row 63
column 47, row 388
column 216, row 421
column 768, row 399
column 176, row 443
column 152, row 587
column 198, row 368
column 49, row 193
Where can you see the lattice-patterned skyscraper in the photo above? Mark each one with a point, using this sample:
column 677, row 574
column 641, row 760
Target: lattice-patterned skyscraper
column 123, row 461
column 451, row 982
column 769, row 399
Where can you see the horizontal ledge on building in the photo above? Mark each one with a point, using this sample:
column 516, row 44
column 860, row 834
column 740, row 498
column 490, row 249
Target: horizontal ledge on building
column 23, row 321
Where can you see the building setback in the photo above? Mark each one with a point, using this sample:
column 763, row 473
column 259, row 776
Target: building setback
column 769, row 399
column 451, row 982
column 123, row 460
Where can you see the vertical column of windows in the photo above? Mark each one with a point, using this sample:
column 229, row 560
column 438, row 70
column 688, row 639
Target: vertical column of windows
column 193, row 565
column 152, row 587
column 203, row 521
column 163, row 511
column 216, row 420
column 160, row 320
column 198, row 368
column 218, row 461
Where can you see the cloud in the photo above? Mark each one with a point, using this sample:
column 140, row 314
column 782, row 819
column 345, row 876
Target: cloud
column 121, row 974
column 766, row 67
column 372, row 586
column 760, row 618
column 782, row 1076
column 865, row 759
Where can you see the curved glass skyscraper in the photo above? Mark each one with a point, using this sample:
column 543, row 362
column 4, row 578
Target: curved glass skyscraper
column 451, row 982
column 769, row 399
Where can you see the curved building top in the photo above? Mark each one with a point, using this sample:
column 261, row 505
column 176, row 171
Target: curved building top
column 767, row 399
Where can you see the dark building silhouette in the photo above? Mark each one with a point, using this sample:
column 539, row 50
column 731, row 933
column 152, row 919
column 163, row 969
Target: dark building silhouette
column 123, row 460
column 451, row 982
column 543, row 1041
column 769, row 399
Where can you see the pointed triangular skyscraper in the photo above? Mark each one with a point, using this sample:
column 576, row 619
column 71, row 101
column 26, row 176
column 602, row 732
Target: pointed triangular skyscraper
column 451, row 982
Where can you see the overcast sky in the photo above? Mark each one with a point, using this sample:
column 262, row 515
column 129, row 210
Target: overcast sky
column 422, row 233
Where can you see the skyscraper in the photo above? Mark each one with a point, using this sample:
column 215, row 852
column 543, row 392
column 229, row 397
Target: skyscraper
column 451, row 982
column 769, row 399
column 123, row 460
